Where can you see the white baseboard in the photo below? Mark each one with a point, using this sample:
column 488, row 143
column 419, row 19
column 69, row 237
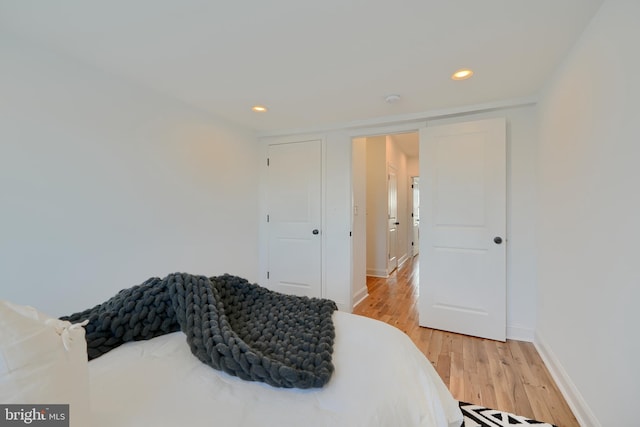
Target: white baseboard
column 359, row 296
column 377, row 273
column 580, row 408
column 520, row 333
column 402, row 260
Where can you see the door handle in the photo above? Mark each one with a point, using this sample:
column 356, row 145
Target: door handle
column 396, row 223
column 315, row 231
column 497, row 240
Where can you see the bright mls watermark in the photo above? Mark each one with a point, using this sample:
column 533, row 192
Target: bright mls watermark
column 34, row 415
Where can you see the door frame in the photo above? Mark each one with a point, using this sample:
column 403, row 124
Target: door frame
column 405, row 127
column 263, row 237
column 368, row 132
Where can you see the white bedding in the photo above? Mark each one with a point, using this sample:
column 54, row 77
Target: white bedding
column 380, row 379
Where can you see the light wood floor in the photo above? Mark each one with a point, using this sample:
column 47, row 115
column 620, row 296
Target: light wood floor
column 505, row 376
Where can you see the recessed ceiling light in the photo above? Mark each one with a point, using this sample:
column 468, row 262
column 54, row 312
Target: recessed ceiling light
column 259, row 108
column 462, row 74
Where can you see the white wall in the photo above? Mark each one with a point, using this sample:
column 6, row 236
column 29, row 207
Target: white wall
column 413, row 166
column 337, row 225
column 377, row 206
column 521, row 202
column 104, row 184
column 588, row 230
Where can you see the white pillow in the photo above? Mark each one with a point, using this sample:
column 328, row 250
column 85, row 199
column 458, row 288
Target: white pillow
column 43, row 360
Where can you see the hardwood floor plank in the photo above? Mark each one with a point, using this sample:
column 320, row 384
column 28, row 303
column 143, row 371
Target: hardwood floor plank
column 496, row 367
column 457, row 380
column 444, row 367
column 506, row 376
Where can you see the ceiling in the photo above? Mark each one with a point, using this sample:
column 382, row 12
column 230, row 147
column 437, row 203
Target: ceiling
column 408, row 143
column 313, row 64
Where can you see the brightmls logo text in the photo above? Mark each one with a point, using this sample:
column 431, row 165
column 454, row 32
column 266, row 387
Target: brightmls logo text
column 27, row 417
column 34, row 415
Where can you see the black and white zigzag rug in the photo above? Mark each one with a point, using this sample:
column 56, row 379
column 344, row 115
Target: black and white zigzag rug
column 479, row 416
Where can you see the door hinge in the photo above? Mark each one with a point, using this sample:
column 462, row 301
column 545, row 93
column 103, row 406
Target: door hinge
column 411, row 243
column 267, row 161
column 349, row 234
column 267, row 274
column 267, row 217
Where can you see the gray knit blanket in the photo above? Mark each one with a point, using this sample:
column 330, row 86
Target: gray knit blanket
column 231, row 325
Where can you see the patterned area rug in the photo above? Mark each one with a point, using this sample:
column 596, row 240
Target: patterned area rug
column 479, row 416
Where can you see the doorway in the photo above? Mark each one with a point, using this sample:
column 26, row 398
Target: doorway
column 463, row 263
column 383, row 167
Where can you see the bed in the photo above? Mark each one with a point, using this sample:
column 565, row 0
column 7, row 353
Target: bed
column 380, row 379
column 136, row 360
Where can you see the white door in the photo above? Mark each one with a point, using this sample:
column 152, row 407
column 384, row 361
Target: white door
column 392, row 235
column 463, row 206
column 415, row 214
column 293, row 215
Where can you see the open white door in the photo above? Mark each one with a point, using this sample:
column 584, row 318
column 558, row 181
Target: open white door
column 294, row 215
column 415, row 214
column 463, row 206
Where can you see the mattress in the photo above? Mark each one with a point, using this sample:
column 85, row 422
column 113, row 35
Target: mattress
column 380, row 379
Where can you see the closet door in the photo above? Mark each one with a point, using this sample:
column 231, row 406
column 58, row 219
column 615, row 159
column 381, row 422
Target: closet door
column 294, row 208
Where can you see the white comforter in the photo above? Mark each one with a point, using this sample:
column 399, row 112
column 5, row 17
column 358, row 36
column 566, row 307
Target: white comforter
column 380, row 379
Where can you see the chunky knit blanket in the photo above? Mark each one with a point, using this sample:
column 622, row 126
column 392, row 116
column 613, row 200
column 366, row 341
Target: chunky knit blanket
column 234, row 326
